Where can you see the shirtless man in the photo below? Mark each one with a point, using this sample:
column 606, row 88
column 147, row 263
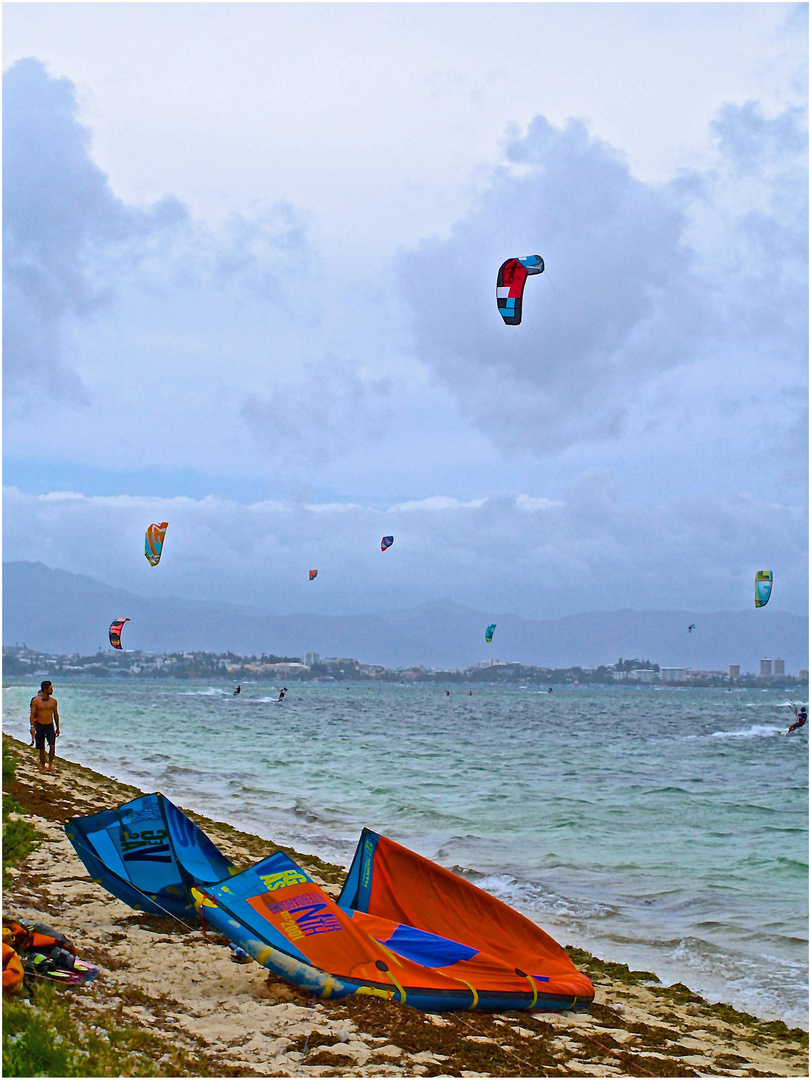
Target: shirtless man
column 45, row 724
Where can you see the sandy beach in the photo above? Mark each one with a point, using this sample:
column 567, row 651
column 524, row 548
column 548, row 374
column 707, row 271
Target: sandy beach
column 207, row 1016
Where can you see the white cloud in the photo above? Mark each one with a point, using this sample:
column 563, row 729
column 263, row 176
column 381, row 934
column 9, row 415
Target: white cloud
column 533, row 506
column 597, row 548
column 65, row 235
column 436, row 502
column 646, row 285
column 73, row 249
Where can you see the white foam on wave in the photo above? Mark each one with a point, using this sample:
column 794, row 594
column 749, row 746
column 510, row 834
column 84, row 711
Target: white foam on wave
column 536, row 900
column 756, row 731
column 211, row 691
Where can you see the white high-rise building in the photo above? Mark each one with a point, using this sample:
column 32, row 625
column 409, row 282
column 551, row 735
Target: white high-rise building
column 779, row 666
column 672, row 674
column 765, row 667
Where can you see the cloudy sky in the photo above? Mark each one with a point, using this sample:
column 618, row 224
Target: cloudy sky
column 249, row 271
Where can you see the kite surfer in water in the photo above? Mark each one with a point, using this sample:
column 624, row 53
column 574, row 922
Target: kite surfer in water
column 282, row 692
column 238, row 691
column 802, row 717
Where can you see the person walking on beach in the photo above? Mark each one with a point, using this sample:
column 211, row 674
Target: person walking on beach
column 45, row 724
column 802, row 716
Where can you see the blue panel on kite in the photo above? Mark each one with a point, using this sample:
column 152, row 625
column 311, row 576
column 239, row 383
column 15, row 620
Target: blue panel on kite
column 148, row 854
column 427, row 949
column 510, row 282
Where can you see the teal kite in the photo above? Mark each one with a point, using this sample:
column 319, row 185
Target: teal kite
column 763, row 587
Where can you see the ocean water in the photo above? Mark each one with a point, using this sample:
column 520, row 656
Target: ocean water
column 666, row 829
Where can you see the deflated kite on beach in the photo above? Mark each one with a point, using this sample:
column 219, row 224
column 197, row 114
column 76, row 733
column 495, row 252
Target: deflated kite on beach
column 148, row 854
column 403, row 928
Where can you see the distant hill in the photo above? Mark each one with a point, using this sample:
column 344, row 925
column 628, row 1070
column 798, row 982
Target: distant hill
column 56, row 611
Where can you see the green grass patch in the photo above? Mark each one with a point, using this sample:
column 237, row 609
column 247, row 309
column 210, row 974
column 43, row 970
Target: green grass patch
column 40, row 1038
column 20, row 837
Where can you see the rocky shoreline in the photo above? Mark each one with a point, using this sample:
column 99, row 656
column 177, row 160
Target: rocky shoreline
column 202, row 1015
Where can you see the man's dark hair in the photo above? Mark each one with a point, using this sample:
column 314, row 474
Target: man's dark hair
column 44, row 683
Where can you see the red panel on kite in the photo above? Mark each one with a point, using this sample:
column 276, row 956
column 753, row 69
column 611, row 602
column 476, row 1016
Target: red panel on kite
column 512, row 277
column 115, row 633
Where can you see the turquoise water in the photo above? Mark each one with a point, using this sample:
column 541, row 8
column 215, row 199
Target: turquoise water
column 667, row 829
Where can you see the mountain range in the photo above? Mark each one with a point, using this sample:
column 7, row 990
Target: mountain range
column 60, row 612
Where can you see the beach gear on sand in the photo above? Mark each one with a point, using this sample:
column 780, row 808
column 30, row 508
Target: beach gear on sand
column 41, row 953
column 403, row 928
column 239, row 956
column 13, row 971
column 28, row 937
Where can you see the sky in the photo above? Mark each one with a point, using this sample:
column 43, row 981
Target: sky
column 249, row 271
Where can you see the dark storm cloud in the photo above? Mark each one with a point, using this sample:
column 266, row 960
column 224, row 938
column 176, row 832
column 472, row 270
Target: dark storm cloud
column 634, row 288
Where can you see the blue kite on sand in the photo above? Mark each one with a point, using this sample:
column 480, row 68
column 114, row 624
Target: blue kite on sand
column 148, row 854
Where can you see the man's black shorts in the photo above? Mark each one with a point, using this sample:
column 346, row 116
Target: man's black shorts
column 43, row 732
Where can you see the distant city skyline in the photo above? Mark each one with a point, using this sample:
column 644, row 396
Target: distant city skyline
column 21, row 661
